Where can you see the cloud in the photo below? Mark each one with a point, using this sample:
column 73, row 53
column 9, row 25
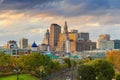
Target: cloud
column 31, row 18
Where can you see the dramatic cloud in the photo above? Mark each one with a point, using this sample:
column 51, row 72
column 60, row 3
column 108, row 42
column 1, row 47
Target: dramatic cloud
column 31, row 18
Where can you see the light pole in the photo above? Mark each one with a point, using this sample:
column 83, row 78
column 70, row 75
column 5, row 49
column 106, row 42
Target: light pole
column 96, row 78
column 68, row 78
column 17, row 73
column 80, row 77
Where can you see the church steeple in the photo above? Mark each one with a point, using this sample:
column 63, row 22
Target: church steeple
column 65, row 28
column 65, row 31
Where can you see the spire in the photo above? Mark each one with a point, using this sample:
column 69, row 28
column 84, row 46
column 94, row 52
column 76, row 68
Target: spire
column 65, row 31
column 66, row 23
column 65, row 28
column 47, row 30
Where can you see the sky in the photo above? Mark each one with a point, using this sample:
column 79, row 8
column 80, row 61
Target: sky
column 30, row 18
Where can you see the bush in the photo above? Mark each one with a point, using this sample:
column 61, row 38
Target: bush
column 118, row 77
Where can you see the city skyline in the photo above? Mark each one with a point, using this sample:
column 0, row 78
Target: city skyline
column 31, row 18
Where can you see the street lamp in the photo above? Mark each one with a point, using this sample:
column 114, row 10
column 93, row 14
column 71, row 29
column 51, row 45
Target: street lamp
column 68, row 78
column 80, row 77
column 96, row 78
column 17, row 73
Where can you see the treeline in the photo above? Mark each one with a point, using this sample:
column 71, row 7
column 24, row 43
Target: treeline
column 41, row 65
column 34, row 63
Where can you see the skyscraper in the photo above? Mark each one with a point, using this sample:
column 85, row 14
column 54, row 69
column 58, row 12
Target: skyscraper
column 23, row 43
column 64, row 42
column 104, row 37
column 55, row 31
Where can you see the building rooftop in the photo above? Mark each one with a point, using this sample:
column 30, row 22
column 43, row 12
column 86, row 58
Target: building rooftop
column 34, row 44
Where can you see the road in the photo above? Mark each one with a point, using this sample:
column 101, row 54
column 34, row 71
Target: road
column 64, row 74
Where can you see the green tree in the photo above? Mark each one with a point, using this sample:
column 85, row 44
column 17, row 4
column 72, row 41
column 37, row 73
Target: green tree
column 104, row 68
column 86, row 72
column 118, row 77
column 68, row 61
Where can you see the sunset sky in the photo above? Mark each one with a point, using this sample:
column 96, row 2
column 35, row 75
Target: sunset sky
column 31, row 18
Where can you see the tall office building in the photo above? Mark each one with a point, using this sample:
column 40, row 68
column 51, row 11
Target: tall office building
column 102, row 37
column 55, row 31
column 23, row 43
column 64, row 42
column 84, row 36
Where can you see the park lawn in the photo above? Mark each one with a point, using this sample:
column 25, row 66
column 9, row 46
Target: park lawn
column 21, row 77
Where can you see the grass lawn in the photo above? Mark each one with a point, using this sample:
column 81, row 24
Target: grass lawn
column 21, row 77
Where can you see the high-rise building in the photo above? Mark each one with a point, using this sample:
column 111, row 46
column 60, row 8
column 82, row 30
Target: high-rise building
column 64, row 42
column 55, row 31
column 46, row 38
column 102, row 37
column 84, row 35
column 23, row 43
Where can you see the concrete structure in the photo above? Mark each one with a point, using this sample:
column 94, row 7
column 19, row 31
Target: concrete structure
column 43, row 47
column 116, row 44
column 94, row 54
column 46, row 38
column 64, row 42
column 84, row 35
column 55, row 31
column 23, row 43
column 107, row 45
column 68, row 46
column 102, row 37
column 12, row 44
column 85, row 46
column 16, row 52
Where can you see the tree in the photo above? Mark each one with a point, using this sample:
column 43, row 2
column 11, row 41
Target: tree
column 118, row 77
column 104, row 68
column 114, row 58
column 68, row 61
column 86, row 72
column 5, row 61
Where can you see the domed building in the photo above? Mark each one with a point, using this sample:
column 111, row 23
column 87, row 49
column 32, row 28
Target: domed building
column 34, row 47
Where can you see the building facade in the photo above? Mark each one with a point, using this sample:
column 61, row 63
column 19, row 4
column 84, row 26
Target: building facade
column 64, row 42
column 84, row 36
column 23, row 43
column 102, row 37
column 55, row 31
column 12, row 44
column 107, row 45
column 85, row 46
column 116, row 44
column 46, row 38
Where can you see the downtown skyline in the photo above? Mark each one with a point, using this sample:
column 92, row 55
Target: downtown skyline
column 31, row 18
